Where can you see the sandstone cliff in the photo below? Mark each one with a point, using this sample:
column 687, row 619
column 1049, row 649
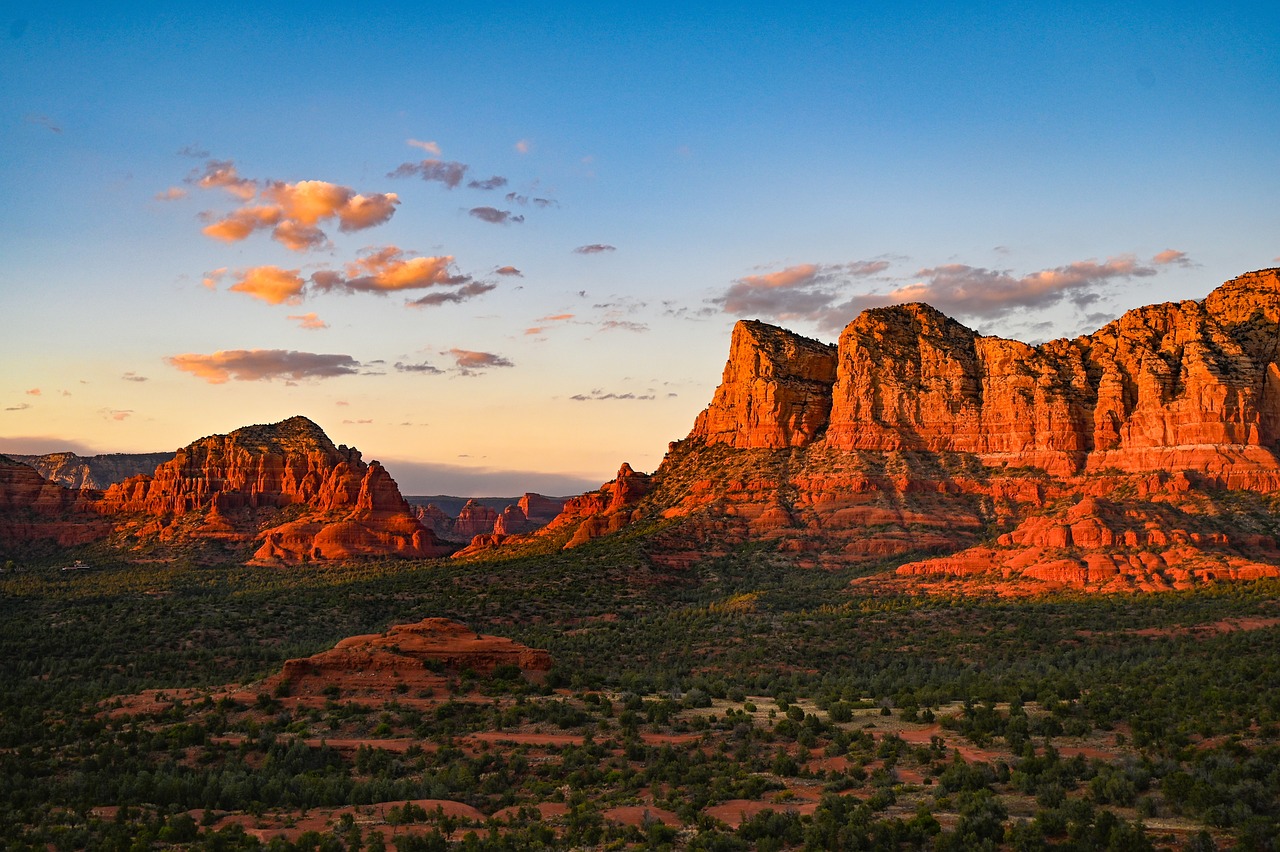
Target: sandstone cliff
column 32, row 510
column 917, row 437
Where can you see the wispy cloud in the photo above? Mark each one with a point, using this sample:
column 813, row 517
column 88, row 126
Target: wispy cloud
column 524, row 146
column 525, row 200
column 547, row 322
column 429, row 147
column 470, row 362
column 195, row 152
column 622, row 325
column 820, row 293
column 447, row 172
column 1173, row 257
column 43, row 121
column 495, row 182
column 594, row 248
column 252, row 365
column 173, row 193
column 134, row 377
column 461, row 294
column 34, row 392
column 309, row 321
column 117, row 414
column 22, row 406
column 495, row 216
column 423, row 368
column 508, row 270
column 598, row 395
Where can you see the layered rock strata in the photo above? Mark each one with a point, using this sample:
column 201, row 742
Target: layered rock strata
column 917, row 437
column 237, row 488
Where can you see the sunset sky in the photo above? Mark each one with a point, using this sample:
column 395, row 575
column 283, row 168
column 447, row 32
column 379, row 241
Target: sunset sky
column 502, row 248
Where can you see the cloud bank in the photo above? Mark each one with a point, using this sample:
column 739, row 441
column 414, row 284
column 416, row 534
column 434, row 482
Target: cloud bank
column 255, row 365
column 819, row 293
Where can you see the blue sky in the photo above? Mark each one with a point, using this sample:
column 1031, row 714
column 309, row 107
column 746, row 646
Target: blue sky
column 1033, row 172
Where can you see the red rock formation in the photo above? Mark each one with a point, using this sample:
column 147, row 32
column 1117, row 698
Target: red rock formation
column 407, row 658
column 776, row 390
column 33, row 509
column 475, row 518
column 918, row 434
column 1099, row 545
column 232, row 488
column 435, row 519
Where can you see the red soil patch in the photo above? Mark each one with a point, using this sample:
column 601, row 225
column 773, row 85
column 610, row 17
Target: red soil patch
column 548, row 810
column 266, row 827
column 839, row 763
column 640, row 815
column 735, row 812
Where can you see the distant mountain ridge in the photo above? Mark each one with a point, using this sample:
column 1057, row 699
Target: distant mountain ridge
column 97, row 472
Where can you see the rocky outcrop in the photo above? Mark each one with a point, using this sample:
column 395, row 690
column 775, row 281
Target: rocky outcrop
column 284, row 485
column 475, row 519
column 776, row 390
column 97, row 472
column 916, row 438
column 413, row 659
column 32, row 510
column 582, row 518
column 1100, row 545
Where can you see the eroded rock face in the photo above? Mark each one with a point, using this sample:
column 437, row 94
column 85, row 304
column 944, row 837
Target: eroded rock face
column 918, row 437
column 407, row 659
column 776, row 390
column 1099, row 545
column 32, row 509
column 474, row 519
column 233, row 488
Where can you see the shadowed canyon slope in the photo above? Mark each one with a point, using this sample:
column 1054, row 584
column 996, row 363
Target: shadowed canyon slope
column 1153, row 442
column 96, row 472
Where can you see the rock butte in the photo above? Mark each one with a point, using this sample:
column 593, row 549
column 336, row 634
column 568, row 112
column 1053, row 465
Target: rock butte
column 915, row 435
column 406, row 659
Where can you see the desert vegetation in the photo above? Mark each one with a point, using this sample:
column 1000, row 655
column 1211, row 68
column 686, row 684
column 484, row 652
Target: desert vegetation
column 736, row 703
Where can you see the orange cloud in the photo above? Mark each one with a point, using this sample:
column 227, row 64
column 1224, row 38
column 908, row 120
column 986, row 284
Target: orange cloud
column 292, row 210
column 271, row 284
column 310, row 321
column 222, row 174
column 252, row 365
column 243, row 222
column 508, row 270
column 389, row 269
column 469, row 361
column 1172, row 257
column 173, row 193
column 212, row 277
column 523, row 146
column 33, row 392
